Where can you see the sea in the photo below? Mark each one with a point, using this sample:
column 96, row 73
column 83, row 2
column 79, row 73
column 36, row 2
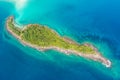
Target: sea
column 94, row 21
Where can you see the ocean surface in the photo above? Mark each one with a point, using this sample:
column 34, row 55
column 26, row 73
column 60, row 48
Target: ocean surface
column 93, row 21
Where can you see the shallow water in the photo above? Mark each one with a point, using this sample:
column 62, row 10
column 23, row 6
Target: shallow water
column 93, row 21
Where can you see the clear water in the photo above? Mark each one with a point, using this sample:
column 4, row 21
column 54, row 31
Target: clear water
column 97, row 22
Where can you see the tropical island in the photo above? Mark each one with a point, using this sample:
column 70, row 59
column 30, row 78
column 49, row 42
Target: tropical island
column 43, row 38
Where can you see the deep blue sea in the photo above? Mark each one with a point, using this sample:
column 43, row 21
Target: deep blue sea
column 93, row 21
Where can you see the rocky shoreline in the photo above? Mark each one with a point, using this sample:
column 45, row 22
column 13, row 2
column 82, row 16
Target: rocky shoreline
column 96, row 57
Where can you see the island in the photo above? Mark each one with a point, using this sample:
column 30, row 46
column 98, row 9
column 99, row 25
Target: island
column 43, row 38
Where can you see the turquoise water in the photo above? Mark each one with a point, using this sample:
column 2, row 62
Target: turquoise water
column 92, row 21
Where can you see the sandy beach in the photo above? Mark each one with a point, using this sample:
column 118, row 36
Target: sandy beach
column 96, row 57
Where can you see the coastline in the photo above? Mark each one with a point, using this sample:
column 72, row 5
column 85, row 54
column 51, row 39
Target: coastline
column 96, row 57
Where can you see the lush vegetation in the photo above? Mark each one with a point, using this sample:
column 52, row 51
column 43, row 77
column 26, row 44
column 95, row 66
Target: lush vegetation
column 15, row 29
column 43, row 36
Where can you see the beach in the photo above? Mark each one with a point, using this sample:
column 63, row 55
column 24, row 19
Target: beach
column 96, row 57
